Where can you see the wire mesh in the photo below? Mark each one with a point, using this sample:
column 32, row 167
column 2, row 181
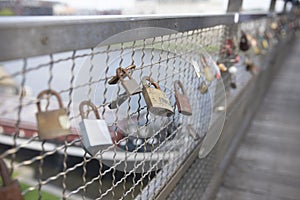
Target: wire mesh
column 139, row 163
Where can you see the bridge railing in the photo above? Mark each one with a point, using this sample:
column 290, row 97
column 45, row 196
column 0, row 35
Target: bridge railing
column 145, row 155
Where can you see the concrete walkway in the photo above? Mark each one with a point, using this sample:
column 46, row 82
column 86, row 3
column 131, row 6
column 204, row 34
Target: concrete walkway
column 267, row 163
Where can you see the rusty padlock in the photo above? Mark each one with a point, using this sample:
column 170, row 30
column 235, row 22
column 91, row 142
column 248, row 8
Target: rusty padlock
column 156, row 100
column 10, row 189
column 94, row 132
column 209, row 75
column 131, row 86
column 203, row 88
column 244, row 43
column 53, row 123
column 115, row 79
column 182, row 101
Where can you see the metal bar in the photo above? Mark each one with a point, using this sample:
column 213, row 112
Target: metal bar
column 234, row 5
column 272, row 5
column 23, row 37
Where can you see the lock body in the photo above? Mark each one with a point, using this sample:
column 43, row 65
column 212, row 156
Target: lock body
column 10, row 189
column 209, row 76
column 244, row 43
column 95, row 135
column 131, row 86
column 192, row 132
column 203, row 87
column 183, row 104
column 157, row 101
column 53, row 124
column 119, row 101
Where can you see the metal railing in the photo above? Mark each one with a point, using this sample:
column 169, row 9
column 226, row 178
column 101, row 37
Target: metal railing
column 77, row 57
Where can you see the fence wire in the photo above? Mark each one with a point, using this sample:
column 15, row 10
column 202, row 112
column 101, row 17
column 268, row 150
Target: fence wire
column 147, row 149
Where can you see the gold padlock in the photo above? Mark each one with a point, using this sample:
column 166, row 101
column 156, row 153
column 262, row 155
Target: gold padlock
column 53, row 123
column 182, row 101
column 131, row 86
column 203, row 88
column 209, row 76
column 265, row 44
column 222, row 67
column 115, row 79
column 156, row 100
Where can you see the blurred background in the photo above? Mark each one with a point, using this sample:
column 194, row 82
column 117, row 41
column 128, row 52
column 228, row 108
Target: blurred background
column 125, row 7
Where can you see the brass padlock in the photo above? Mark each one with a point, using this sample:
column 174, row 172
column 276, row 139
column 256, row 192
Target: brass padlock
column 254, row 46
column 10, row 189
column 222, row 67
column 131, row 86
column 244, row 43
column 115, row 79
column 156, row 100
column 209, row 76
column 54, row 123
column 203, row 88
column 182, row 101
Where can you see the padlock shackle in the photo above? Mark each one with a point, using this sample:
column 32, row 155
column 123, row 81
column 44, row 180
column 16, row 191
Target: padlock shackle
column 179, row 84
column 6, row 179
column 123, row 72
column 203, row 61
column 48, row 92
column 151, row 81
column 89, row 104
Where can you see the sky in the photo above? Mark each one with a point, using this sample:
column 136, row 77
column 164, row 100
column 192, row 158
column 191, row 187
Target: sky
column 125, row 4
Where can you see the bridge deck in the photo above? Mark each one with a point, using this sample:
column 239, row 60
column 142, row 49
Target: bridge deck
column 267, row 163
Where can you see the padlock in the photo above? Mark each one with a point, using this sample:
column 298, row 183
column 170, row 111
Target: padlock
column 115, row 79
column 119, row 101
column 254, row 46
column 192, row 132
column 209, row 76
column 244, row 43
column 131, row 86
column 251, row 67
column 156, row 100
column 233, row 83
column 182, row 101
column 54, row 123
column 222, row 67
column 94, row 132
column 203, row 88
column 265, row 43
column 10, row 189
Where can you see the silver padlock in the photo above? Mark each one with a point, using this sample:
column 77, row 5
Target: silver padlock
column 94, row 132
column 192, row 132
column 131, row 86
column 119, row 101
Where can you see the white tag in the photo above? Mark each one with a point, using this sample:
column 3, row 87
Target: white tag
column 197, row 68
column 97, row 132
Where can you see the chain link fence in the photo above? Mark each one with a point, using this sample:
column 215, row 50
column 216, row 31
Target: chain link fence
column 144, row 150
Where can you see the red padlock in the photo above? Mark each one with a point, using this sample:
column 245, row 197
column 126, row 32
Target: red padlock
column 10, row 189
